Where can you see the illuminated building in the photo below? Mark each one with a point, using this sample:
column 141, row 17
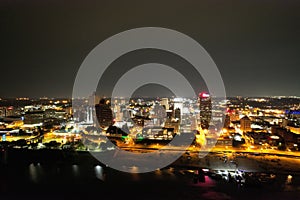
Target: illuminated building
column 34, row 117
column 53, row 113
column 245, row 124
column 292, row 114
column 224, row 142
column 9, row 111
column 205, row 109
column 237, row 140
column 170, row 114
column 139, row 121
column 93, row 98
column 2, row 112
column 165, row 102
column 177, row 113
column 158, row 133
column 292, row 121
column 227, row 121
column 159, row 114
column 294, row 129
column 172, row 124
column 194, row 124
column 104, row 114
column 178, row 103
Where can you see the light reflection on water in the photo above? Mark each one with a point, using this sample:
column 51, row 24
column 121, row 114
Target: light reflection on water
column 75, row 170
column 38, row 173
column 158, row 172
column 99, row 172
column 134, row 173
column 210, row 188
column 35, row 172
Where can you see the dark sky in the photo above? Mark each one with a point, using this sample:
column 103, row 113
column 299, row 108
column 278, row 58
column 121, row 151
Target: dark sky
column 255, row 44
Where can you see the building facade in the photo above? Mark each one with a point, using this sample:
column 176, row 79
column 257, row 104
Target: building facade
column 104, row 114
column 205, row 107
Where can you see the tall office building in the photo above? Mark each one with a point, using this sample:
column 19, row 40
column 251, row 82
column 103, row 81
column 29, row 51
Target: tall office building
column 178, row 103
column 245, row 124
column 177, row 113
column 165, row 102
column 205, row 109
column 104, row 113
column 226, row 121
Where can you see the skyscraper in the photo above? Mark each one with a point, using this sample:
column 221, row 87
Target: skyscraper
column 177, row 113
column 104, row 114
column 205, row 109
column 165, row 102
column 245, row 124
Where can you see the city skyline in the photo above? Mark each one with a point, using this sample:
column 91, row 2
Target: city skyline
column 149, row 99
column 254, row 44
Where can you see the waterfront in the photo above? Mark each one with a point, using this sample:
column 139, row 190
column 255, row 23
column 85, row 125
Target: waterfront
column 149, row 100
column 79, row 177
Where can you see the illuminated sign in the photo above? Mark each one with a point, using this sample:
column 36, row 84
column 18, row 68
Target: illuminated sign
column 275, row 137
column 204, row 95
column 292, row 112
column 10, row 108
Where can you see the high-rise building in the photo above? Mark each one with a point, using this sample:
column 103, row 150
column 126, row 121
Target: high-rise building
column 104, row 114
column 245, row 124
column 178, row 103
column 165, row 102
column 34, row 117
column 226, row 121
column 93, row 99
column 89, row 115
column 205, row 109
column 177, row 113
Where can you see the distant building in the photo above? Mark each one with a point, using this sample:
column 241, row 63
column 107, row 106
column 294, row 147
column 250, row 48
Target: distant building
column 245, row 123
column 159, row 133
column 159, row 111
column 258, row 138
column 93, row 98
column 165, row 103
column 177, row 113
column 34, row 117
column 170, row 114
column 2, row 112
column 104, row 114
column 289, row 137
column 238, row 140
column 140, row 120
column 292, row 114
column 226, row 121
column 234, row 117
column 294, row 129
column 205, row 109
column 172, row 124
column 224, row 142
column 57, row 114
column 9, row 111
column 177, row 103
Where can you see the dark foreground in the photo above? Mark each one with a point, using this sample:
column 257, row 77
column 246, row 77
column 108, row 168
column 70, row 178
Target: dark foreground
column 54, row 175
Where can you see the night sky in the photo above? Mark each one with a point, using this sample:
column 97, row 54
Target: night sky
column 255, row 44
